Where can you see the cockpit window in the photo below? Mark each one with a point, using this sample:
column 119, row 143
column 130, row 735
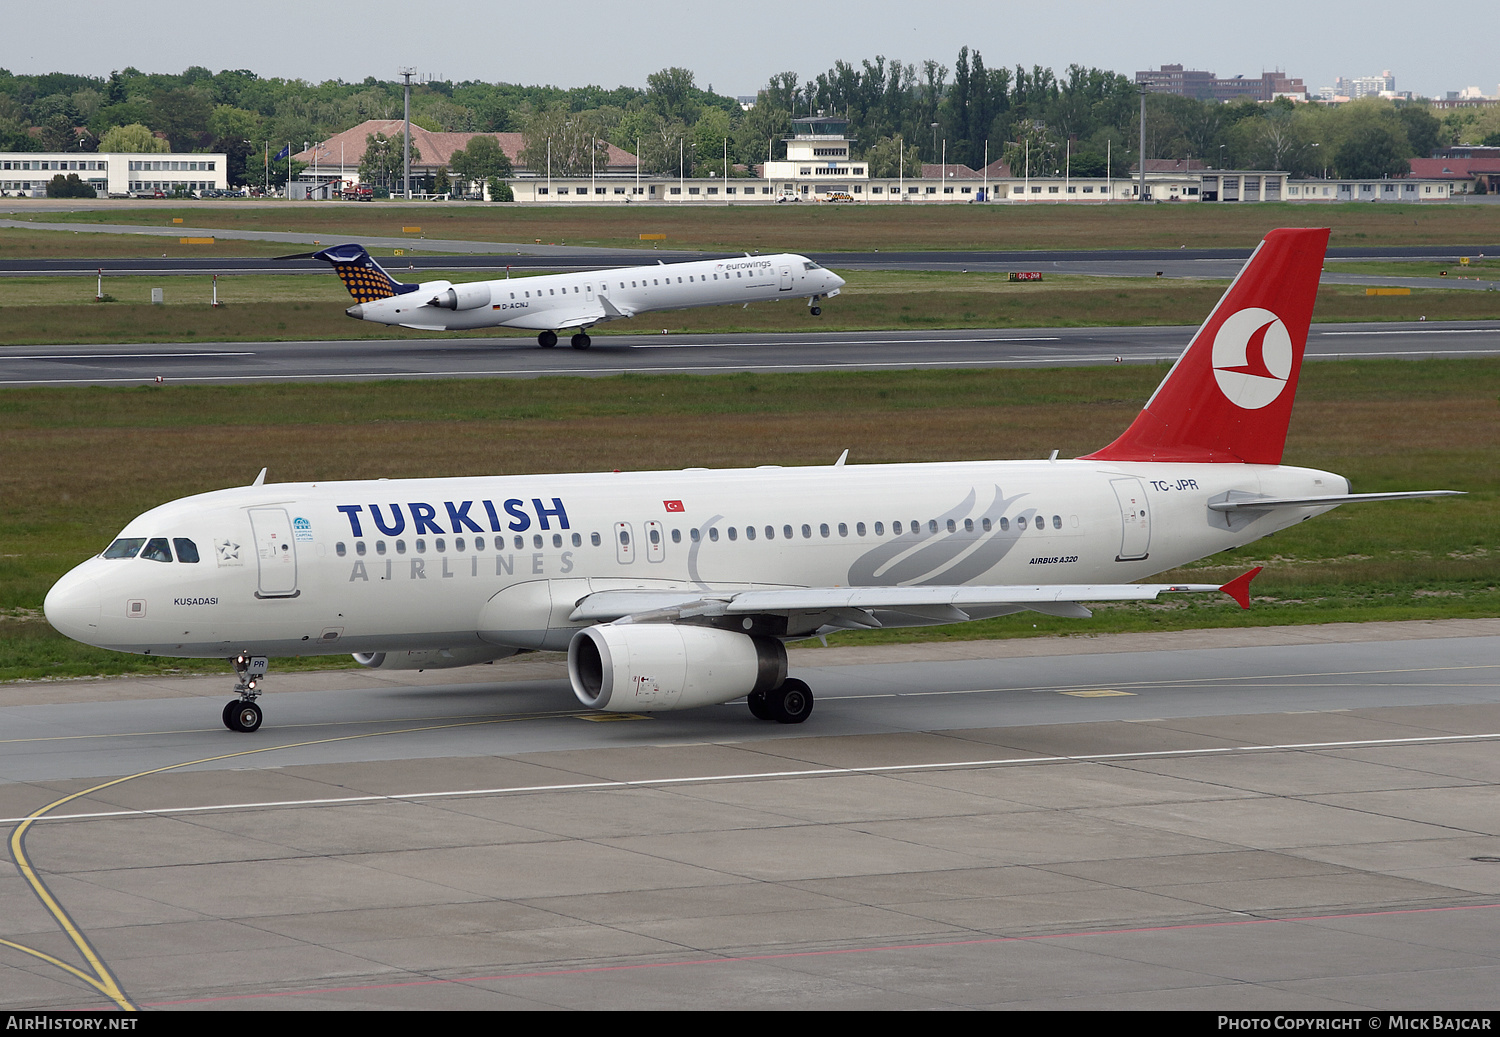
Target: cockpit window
column 811, row 266
column 156, row 550
column 125, row 547
column 187, row 551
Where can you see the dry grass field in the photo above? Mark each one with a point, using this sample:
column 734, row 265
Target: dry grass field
column 809, row 227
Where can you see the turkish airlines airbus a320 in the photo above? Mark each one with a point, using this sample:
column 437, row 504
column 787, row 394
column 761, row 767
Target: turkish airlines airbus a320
column 671, row 590
column 562, row 302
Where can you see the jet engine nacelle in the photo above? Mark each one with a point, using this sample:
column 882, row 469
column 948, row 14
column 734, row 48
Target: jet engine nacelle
column 462, row 297
column 643, row 667
column 432, row 658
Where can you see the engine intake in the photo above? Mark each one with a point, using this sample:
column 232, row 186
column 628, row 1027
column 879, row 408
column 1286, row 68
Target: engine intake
column 646, row 667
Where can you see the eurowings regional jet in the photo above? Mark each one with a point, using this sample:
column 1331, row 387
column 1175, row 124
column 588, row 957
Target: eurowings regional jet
column 671, row 590
column 551, row 303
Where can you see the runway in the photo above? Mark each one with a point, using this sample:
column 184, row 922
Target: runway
column 233, row 363
column 1291, row 818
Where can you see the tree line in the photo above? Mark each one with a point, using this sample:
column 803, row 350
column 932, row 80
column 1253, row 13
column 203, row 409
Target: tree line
column 900, row 115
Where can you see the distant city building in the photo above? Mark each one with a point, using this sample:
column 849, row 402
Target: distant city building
column 1468, row 97
column 1206, row 86
column 1344, row 89
column 1372, row 86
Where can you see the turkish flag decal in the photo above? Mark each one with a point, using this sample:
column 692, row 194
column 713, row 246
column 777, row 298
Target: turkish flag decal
column 673, row 505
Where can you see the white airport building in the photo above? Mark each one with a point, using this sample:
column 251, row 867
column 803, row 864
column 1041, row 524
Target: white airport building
column 819, row 168
column 113, row 174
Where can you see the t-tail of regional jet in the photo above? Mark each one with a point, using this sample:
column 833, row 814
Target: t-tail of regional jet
column 671, row 590
column 574, row 302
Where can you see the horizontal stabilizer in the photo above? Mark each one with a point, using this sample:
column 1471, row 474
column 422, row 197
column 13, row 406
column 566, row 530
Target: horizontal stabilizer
column 1268, row 503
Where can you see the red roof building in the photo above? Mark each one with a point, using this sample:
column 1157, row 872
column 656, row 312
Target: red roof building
column 1466, row 173
column 341, row 152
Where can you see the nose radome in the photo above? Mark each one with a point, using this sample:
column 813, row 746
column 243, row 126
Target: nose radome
column 72, row 607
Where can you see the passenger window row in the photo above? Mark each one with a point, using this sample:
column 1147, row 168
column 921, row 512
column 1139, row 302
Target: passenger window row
column 787, row 532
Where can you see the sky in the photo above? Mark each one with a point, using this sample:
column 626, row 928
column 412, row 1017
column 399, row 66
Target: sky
column 735, row 48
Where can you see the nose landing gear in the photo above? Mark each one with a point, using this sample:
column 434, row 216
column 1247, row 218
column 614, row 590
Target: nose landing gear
column 813, row 307
column 243, row 714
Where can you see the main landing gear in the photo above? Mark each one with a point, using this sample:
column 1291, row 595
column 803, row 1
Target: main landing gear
column 581, row 341
column 547, row 339
column 791, row 703
column 243, row 714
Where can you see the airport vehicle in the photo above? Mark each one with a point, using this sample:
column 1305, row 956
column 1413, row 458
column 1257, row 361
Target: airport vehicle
column 671, row 590
column 553, row 303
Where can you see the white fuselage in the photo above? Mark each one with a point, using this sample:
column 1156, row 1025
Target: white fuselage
column 580, row 300
column 473, row 564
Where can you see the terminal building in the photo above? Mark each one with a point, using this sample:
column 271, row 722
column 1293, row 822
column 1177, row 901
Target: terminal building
column 26, row 174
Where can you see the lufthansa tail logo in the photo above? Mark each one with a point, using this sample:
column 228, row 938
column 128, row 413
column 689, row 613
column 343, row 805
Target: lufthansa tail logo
column 1252, row 358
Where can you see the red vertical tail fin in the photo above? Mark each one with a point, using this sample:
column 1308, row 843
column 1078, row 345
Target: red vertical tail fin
column 1229, row 396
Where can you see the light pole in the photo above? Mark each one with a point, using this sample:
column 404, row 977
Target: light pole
column 1141, row 190
column 406, row 137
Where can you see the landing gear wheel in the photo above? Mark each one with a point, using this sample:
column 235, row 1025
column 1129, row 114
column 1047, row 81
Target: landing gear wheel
column 791, row 703
column 581, row 341
column 759, row 708
column 228, row 716
column 817, row 311
column 244, row 717
column 547, row 339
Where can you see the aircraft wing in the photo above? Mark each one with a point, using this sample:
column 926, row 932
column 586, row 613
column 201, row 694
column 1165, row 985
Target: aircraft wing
column 940, row 602
column 571, row 317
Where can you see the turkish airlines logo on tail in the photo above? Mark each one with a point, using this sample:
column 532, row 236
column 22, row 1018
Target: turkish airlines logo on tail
column 1252, row 358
